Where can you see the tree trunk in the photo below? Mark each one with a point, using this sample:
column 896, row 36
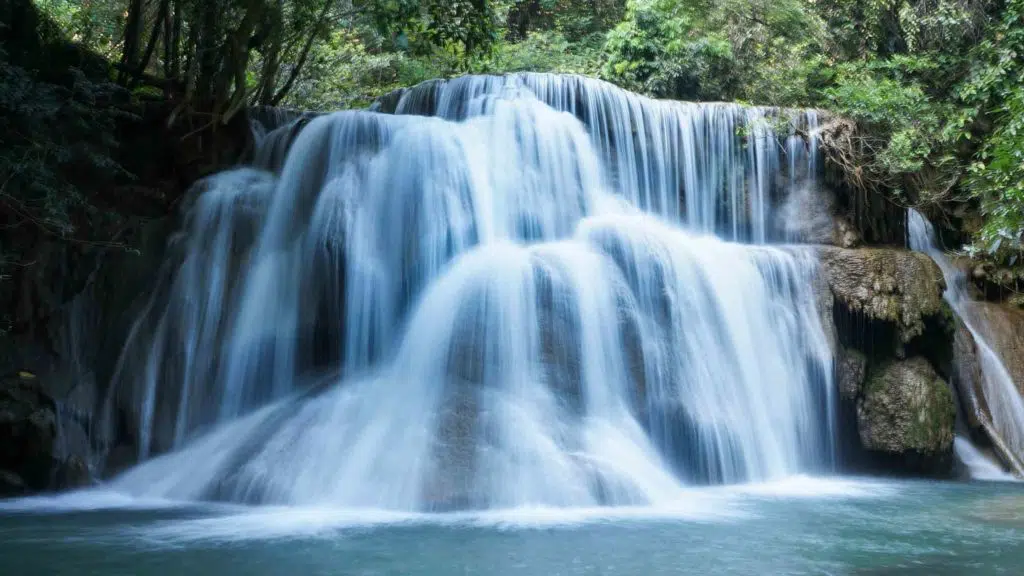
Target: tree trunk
column 158, row 27
column 271, row 55
column 132, row 38
column 294, row 74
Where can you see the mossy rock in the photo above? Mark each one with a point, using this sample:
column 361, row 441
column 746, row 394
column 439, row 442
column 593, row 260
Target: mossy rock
column 907, row 408
column 886, row 284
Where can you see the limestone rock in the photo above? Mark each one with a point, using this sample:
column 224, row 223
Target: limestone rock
column 967, row 375
column 824, row 302
column 907, row 408
column 1003, row 329
column 851, row 366
column 886, row 284
column 809, row 216
column 844, row 233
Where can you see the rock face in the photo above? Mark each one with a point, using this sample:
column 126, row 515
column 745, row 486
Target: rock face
column 884, row 284
column 40, row 448
column 1003, row 329
column 907, row 409
column 28, row 430
column 897, row 413
column 968, row 377
column 851, row 367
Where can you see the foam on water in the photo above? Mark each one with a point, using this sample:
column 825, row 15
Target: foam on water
column 84, row 501
column 221, row 523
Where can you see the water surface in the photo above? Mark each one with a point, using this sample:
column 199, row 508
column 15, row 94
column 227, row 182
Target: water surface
column 799, row 526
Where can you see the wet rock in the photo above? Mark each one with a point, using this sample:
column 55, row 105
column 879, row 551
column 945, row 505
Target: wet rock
column 968, row 377
column 809, row 216
column 120, row 458
column 72, row 473
column 907, row 410
column 844, row 233
column 28, row 429
column 1003, row 329
column 825, row 303
column 851, row 367
column 896, row 286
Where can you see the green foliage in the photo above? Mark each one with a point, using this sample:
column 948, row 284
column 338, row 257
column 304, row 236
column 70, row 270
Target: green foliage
column 737, row 49
column 544, row 51
column 659, row 49
column 97, row 24
column 899, row 115
column 573, row 19
column 994, row 95
column 344, row 72
column 931, row 88
column 57, row 144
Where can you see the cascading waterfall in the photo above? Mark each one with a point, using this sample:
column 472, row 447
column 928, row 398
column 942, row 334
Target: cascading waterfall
column 1005, row 405
column 504, row 294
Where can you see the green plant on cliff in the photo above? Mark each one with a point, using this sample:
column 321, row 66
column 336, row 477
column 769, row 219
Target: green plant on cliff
column 901, row 147
column 995, row 94
column 53, row 138
column 738, row 49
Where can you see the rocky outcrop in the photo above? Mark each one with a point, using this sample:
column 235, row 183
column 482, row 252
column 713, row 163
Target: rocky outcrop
column 810, row 216
column 1000, row 331
column 41, row 448
column 907, row 410
column 889, row 285
column 887, row 305
column 967, row 377
column 1002, row 327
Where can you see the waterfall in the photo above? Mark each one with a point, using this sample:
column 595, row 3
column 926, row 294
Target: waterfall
column 520, row 290
column 979, row 466
column 1005, row 405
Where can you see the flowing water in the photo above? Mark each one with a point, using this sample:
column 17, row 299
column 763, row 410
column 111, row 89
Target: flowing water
column 500, row 325
column 979, row 465
column 514, row 291
column 1004, row 402
column 799, row 526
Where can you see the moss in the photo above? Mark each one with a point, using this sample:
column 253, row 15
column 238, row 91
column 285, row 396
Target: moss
column 906, row 407
column 935, row 416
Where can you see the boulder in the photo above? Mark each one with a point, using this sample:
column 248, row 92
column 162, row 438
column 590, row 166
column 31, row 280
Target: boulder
column 907, row 410
column 28, row 430
column 885, row 284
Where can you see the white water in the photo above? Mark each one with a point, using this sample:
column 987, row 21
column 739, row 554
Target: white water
column 979, row 465
column 527, row 310
column 1005, row 405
